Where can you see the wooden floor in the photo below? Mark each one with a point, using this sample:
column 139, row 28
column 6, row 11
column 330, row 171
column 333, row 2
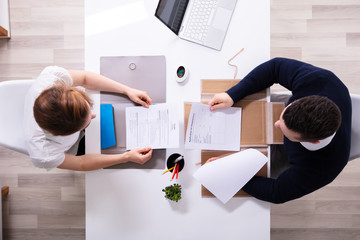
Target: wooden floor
column 44, row 205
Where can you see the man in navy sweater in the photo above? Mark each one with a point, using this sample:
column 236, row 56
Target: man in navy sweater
column 316, row 124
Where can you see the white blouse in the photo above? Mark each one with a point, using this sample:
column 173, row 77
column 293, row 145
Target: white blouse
column 46, row 150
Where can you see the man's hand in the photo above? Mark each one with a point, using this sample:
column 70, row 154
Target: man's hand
column 220, row 100
column 211, row 159
column 139, row 97
column 139, row 156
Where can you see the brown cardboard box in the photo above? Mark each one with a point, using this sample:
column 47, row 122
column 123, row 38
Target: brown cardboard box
column 257, row 123
column 257, row 118
column 3, row 31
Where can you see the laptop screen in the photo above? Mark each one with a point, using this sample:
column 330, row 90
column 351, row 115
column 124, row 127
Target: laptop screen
column 171, row 13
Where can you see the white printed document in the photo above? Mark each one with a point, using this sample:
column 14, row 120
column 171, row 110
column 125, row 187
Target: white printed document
column 224, row 177
column 156, row 127
column 213, row 130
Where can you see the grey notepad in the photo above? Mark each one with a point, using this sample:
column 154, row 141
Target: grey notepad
column 147, row 73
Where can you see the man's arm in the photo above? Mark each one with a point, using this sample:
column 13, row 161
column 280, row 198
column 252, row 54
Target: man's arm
column 287, row 72
column 291, row 184
column 94, row 81
column 90, row 162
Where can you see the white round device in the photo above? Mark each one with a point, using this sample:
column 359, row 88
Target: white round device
column 182, row 73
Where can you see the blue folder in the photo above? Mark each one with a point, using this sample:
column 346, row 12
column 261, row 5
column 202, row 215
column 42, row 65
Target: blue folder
column 107, row 128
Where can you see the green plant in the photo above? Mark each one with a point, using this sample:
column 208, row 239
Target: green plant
column 173, row 192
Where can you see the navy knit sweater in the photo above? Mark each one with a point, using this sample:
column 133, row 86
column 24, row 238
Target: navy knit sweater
column 310, row 170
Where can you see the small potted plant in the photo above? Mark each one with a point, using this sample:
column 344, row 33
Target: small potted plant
column 173, row 192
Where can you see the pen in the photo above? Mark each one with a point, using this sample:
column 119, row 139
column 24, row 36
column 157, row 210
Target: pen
column 169, row 169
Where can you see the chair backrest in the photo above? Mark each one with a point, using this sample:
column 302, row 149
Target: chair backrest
column 355, row 127
column 12, row 97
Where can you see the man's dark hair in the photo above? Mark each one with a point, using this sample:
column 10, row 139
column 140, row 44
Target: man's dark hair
column 314, row 117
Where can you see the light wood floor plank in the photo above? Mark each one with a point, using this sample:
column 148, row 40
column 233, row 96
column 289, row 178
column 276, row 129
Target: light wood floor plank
column 70, row 14
column 291, row 11
column 288, row 25
column 20, row 14
column 315, row 2
column 315, row 234
column 356, row 221
column 25, row 28
column 27, row 56
column 63, row 222
column 35, row 193
column 339, row 207
column 321, row 53
column 27, row 42
column 48, row 208
column 13, row 71
column 353, row 39
column 333, row 25
column 44, row 234
column 21, row 221
column 314, row 40
column 336, row 11
column 46, row 180
column 287, row 52
column 311, row 220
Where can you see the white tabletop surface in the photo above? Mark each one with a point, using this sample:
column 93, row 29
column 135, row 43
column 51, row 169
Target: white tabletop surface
column 128, row 203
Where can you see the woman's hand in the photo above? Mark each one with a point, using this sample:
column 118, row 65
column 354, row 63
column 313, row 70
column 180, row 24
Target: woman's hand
column 220, row 100
column 139, row 156
column 140, row 97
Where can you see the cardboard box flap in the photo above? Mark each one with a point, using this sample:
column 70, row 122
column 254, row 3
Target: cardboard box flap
column 253, row 123
column 205, row 155
column 209, row 87
column 276, row 136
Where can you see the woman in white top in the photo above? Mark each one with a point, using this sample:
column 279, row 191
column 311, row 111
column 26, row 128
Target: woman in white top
column 57, row 110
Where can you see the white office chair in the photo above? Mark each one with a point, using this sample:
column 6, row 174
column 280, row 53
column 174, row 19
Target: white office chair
column 12, row 95
column 355, row 127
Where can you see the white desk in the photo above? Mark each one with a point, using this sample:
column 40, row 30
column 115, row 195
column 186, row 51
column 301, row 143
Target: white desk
column 129, row 204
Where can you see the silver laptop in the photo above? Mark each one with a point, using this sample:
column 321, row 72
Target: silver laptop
column 201, row 21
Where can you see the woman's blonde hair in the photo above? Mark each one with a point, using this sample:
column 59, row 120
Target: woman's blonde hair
column 62, row 110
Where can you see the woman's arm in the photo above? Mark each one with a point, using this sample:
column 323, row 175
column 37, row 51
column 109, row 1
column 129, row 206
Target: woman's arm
column 90, row 162
column 94, row 81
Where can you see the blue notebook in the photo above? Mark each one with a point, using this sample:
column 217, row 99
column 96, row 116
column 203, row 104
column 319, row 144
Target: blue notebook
column 107, row 129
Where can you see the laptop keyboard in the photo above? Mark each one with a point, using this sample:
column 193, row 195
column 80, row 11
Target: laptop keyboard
column 199, row 19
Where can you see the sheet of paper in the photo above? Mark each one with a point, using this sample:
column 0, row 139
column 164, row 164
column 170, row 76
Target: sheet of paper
column 213, row 130
column 224, row 177
column 156, row 127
